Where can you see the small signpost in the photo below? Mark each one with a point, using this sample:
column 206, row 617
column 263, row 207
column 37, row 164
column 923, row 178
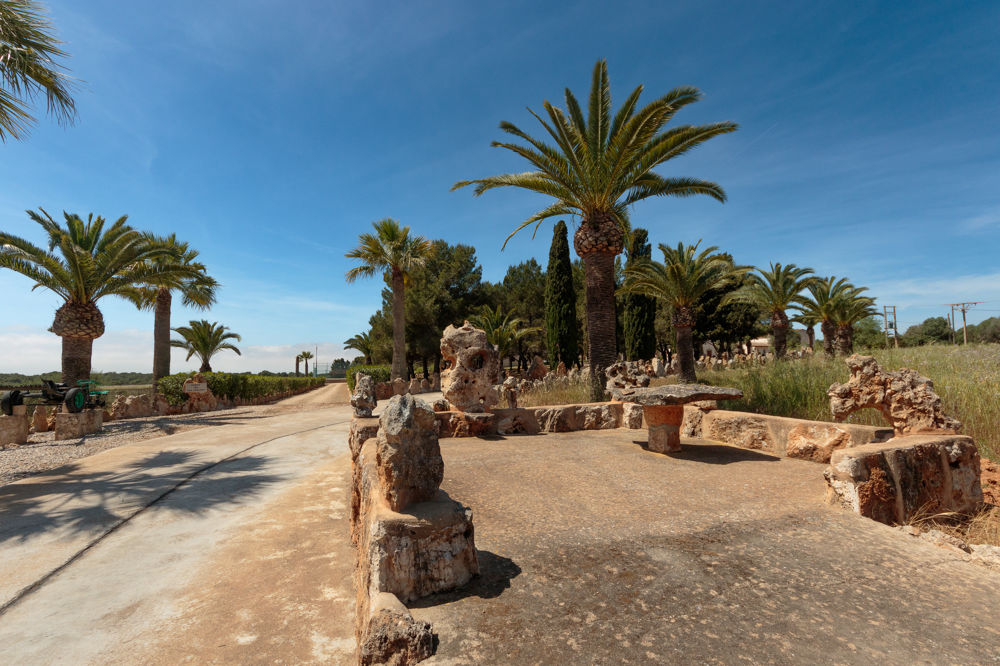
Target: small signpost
column 196, row 387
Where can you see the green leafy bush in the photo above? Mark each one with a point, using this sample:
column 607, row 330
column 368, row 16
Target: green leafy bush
column 379, row 373
column 236, row 386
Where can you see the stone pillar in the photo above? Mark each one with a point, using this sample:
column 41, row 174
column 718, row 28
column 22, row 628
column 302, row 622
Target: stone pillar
column 664, row 422
column 73, row 426
column 14, row 428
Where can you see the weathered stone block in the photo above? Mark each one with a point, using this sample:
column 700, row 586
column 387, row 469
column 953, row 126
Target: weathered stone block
column 744, row 430
column 516, row 421
column 408, row 457
column 383, row 390
column 14, row 429
column 392, row 636
column 399, row 386
column 363, row 400
column 664, row 424
column 815, row 441
column 599, row 415
column 560, row 418
column 362, row 429
column 40, row 419
column 890, row 482
column 73, row 426
column 465, row 424
column 631, row 415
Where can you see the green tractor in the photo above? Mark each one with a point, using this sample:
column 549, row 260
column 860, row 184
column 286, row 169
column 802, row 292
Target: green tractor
column 83, row 396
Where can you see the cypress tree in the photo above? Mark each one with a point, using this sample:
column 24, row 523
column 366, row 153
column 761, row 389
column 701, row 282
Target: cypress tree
column 561, row 328
column 639, row 318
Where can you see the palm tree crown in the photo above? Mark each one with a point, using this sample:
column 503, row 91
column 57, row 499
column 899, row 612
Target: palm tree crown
column 28, row 51
column 600, row 165
column 597, row 167
column 392, row 252
column 774, row 291
column 197, row 290
column 821, row 302
column 389, row 249
column 93, row 261
column 204, row 339
column 502, row 330
column 361, row 342
column 683, row 278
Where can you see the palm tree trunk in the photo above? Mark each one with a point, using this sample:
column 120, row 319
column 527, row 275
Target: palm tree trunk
column 843, row 338
column 398, row 326
column 829, row 333
column 599, row 279
column 811, row 333
column 779, row 328
column 298, row 362
column 685, row 355
column 161, row 335
column 205, row 367
column 76, row 355
column 306, row 361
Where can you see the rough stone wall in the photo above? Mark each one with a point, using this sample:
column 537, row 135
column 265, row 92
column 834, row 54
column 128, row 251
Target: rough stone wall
column 892, row 481
column 14, row 428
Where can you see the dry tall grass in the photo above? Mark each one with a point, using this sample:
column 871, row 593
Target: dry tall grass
column 967, row 378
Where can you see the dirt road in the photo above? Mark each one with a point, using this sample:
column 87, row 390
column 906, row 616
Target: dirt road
column 223, row 544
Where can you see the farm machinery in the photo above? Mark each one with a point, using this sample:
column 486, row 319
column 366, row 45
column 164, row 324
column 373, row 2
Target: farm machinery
column 76, row 398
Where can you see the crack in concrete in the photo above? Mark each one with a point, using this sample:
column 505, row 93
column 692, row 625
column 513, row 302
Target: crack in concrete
column 26, row 591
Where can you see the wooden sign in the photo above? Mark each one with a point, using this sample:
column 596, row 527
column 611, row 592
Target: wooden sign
column 196, row 387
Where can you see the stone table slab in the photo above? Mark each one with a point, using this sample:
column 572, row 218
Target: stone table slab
column 663, row 408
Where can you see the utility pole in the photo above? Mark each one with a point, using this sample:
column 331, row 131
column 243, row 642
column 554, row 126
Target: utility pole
column 963, row 308
column 887, row 311
column 885, row 315
column 951, row 325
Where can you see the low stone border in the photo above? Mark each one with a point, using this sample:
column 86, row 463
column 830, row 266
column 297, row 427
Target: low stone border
column 780, row 435
column 406, row 549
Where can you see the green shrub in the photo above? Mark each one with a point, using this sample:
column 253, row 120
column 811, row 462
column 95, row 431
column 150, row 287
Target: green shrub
column 236, row 386
column 379, row 373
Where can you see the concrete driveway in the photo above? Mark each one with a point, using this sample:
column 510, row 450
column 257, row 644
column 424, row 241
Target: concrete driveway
column 225, row 544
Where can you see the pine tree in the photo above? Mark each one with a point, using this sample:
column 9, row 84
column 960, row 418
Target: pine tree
column 639, row 315
column 562, row 330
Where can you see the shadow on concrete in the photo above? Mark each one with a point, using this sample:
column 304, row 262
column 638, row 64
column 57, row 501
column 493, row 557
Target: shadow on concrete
column 715, row 454
column 495, row 574
column 70, row 499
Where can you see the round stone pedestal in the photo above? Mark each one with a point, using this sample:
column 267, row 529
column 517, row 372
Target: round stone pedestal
column 664, row 422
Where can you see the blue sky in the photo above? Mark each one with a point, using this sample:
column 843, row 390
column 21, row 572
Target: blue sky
column 270, row 134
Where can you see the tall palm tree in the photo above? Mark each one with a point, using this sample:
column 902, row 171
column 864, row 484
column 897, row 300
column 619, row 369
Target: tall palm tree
column 680, row 281
column 850, row 308
column 305, row 356
column 196, row 292
column 205, row 339
column 393, row 253
column 502, row 330
column 774, row 291
column 819, row 304
column 92, row 262
column 361, row 342
column 28, row 68
column 599, row 167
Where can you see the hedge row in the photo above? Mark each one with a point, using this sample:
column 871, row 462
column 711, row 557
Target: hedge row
column 380, row 373
column 233, row 386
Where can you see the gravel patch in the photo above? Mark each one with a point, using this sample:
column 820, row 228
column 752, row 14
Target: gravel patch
column 42, row 453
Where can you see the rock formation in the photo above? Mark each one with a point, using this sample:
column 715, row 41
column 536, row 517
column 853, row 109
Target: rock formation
column 509, row 390
column 410, row 467
column 904, row 397
column 363, row 399
column 624, row 374
column 538, row 369
column 470, row 368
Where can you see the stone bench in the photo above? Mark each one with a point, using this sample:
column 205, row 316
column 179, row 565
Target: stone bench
column 663, row 408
